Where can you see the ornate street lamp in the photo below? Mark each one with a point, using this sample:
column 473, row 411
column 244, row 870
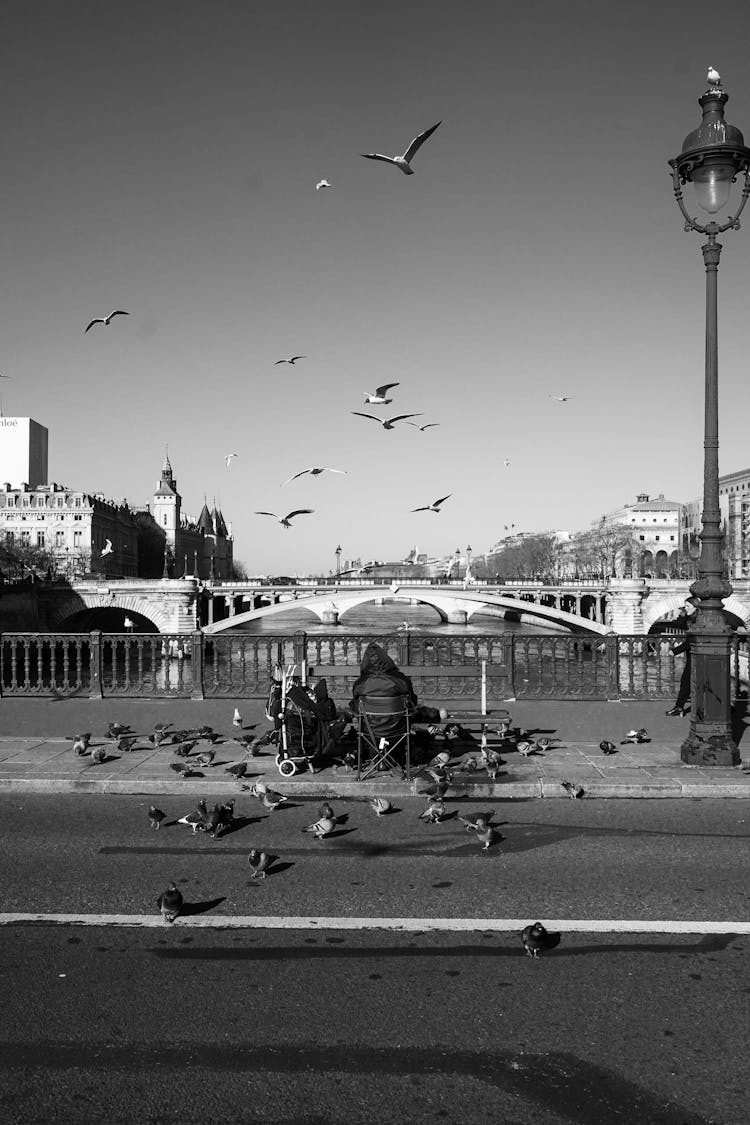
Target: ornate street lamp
column 338, row 560
column 712, row 158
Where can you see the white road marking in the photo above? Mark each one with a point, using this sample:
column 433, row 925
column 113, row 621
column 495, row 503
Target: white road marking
column 456, row 925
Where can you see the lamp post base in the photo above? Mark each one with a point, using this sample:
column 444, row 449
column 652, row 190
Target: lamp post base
column 710, row 741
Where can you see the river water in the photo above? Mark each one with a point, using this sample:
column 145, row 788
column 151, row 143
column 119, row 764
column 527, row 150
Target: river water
column 389, row 619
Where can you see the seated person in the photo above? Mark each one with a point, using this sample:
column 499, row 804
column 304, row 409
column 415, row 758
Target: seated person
column 383, row 688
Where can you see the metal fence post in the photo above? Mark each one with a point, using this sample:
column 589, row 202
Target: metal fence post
column 300, row 647
column 613, row 667
column 96, row 690
column 196, row 659
column 509, row 660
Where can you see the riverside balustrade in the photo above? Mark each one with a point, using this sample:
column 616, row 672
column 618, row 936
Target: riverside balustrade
column 490, row 668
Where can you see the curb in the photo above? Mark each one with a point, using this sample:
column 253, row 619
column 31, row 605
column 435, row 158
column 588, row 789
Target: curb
column 399, row 790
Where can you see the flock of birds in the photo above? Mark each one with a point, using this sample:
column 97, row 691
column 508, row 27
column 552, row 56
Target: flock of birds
column 377, row 398
column 195, row 751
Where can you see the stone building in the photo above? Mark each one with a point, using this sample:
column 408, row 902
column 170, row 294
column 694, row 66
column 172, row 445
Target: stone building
column 734, row 505
column 75, row 527
column 200, row 548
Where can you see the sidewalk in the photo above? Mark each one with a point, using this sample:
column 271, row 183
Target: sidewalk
column 36, row 755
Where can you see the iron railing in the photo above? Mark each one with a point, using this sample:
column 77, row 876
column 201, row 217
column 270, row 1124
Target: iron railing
column 492, row 667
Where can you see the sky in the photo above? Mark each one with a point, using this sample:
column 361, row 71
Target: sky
column 161, row 157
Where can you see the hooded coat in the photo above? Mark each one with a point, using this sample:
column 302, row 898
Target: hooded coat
column 384, row 691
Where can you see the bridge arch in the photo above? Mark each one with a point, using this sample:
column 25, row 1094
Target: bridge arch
column 667, row 606
column 455, row 605
column 98, row 605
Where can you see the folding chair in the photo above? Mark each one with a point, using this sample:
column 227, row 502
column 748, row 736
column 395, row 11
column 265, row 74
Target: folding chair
column 383, row 729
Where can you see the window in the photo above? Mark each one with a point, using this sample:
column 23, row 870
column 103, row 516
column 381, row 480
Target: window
column 641, row 537
column 77, row 536
column 78, row 501
column 40, row 538
column 59, row 538
column 25, row 538
column 26, row 501
column 656, row 537
column 671, row 539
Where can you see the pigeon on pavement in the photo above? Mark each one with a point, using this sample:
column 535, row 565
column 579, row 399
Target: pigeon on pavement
column 607, row 747
column 81, row 743
column 573, row 791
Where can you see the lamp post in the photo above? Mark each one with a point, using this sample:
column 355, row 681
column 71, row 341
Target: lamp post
column 712, row 157
column 338, row 560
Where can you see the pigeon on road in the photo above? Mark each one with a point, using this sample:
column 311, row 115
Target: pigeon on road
column 170, row 903
column 380, row 805
column 259, row 863
column 536, row 939
column 434, row 811
column 155, row 816
column 574, row 791
column 404, row 162
column 607, row 747
column 321, row 828
column 197, row 819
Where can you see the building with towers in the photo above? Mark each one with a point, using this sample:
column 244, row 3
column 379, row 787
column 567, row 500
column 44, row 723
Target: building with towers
column 199, row 547
column 84, row 533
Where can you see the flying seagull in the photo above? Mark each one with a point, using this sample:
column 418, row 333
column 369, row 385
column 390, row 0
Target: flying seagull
column 321, row 183
column 105, row 319
column 561, row 398
column 292, row 359
column 422, row 428
column 286, row 520
column 229, row 457
column 315, row 473
column 434, row 507
column 506, row 462
column 386, row 423
column 404, row 162
column 107, row 548
column 379, row 397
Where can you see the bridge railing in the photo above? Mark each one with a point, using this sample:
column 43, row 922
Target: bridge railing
column 493, row 666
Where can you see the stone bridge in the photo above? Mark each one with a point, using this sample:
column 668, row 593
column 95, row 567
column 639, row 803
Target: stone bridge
column 627, row 606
